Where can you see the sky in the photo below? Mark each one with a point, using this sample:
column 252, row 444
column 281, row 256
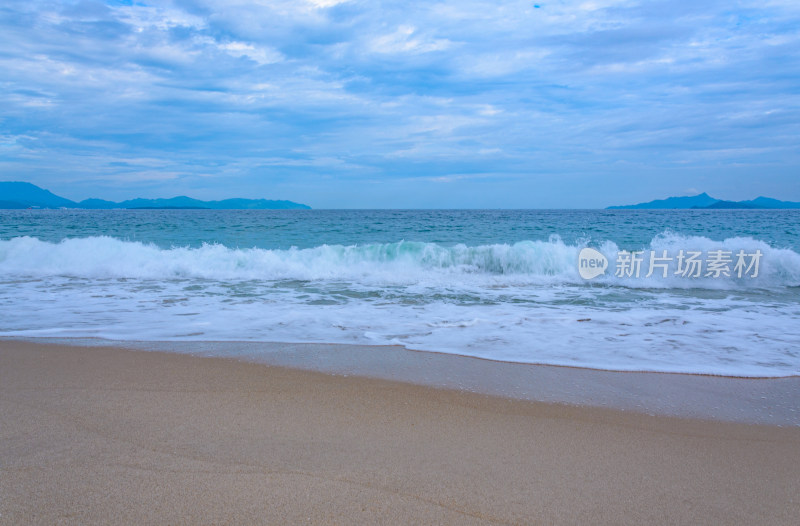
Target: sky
column 406, row 104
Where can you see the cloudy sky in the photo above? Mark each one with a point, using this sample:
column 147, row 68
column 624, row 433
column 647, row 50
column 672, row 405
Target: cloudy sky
column 375, row 104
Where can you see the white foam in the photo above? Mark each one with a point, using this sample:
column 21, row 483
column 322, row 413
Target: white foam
column 401, row 263
column 523, row 302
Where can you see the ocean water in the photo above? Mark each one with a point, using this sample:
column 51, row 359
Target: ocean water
column 503, row 285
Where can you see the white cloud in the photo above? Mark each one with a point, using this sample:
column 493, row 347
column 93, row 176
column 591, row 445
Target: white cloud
column 142, row 17
column 404, row 40
column 323, row 4
column 262, row 55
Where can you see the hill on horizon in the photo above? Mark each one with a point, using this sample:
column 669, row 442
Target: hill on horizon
column 20, row 195
column 706, row 202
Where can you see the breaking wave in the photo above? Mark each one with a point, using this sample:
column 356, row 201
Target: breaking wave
column 403, row 262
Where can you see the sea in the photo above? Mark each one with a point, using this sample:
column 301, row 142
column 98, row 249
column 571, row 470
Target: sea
column 713, row 292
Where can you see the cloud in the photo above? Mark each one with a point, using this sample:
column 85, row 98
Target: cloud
column 322, row 95
column 260, row 55
column 404, row 40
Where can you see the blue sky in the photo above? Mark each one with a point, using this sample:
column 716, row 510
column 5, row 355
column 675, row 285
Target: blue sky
column 405, row 104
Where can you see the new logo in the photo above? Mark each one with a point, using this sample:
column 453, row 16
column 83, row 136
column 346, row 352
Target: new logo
column 591, row 263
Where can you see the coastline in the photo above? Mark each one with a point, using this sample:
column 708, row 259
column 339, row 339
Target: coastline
column 751, row 400
column 103, row 434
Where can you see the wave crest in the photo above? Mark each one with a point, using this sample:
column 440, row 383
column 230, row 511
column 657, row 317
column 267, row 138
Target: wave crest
column 400, row 262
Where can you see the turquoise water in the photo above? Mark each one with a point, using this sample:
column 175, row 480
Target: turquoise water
column 500, row 284
column 282, row 229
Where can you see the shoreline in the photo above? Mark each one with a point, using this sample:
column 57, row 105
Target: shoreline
column 97, row 435
column 169, row 345
column 753, row 400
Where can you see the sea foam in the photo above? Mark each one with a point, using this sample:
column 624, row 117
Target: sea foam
column 396, row 263
column 521, row 302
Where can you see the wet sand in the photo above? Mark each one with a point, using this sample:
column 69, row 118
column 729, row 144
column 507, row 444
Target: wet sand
column 96, row 435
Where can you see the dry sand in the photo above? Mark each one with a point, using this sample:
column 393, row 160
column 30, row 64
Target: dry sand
column 110, row 436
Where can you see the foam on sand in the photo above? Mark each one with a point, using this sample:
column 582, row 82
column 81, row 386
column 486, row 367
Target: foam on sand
column 522, row 302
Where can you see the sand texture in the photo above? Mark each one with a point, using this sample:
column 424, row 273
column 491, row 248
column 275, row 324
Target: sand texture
column 112, row 436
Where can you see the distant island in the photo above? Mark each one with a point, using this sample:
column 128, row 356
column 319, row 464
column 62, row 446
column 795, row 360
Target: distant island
column 20, row 195
column 706, row 202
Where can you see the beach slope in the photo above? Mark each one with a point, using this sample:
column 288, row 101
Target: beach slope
column 105, row 435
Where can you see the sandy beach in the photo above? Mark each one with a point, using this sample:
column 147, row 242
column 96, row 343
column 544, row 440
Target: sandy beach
column 112, row 436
